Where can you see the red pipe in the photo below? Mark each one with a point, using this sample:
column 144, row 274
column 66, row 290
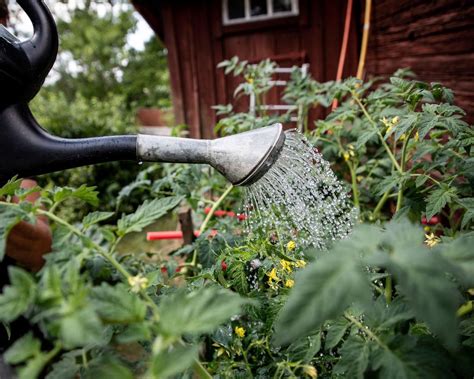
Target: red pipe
column 172, row 235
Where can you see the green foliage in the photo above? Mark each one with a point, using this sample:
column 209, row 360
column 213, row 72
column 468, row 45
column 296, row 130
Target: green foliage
column 148, row 212
column 391, row 300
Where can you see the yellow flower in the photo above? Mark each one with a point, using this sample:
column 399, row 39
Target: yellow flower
column 386, row 122
column 138, row 283
column 290, row 246
column 250, row 80
column 289, row 283
column 240, row 331
column 300, row 263
column 350, row 146
column 389, row 129
column 346, row 156
column 359, row 178
column 431, row 240
column 273, row 275
column 426, row 228
column 417, row 137
column 286, row 265
column 395, row 120
column 310, row 371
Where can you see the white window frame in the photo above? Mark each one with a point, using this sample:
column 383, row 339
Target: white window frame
column 248, row 18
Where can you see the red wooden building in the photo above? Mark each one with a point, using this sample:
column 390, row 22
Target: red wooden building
column 434, row 38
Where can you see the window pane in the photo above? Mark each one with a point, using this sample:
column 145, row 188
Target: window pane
column 281, row 6
column 258, row 7
column 236, row 9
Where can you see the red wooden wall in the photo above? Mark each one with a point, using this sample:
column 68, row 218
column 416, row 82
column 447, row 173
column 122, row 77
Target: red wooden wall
column 434, row 38
column 197, row 41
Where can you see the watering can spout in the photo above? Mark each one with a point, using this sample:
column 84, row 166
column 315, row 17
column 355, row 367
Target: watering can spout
column 26, row 149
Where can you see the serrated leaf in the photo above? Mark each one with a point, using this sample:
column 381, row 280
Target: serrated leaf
column 18, row 296
column 460, row 252
column 23, row 349
column 422, row 280
column 405, row 125
column 437, row 200
column 199, row 311
column 84, row 193
column 420, row 180
column 95, row 217
column 354, row 358
column 146, row 214
column 323, row 290
column 81, row 328
column 305, row 348
column 172, row 362
column 9, row 188
column 10, row 216
column 468, row 204
column 335, row 332
column 115, row 304
column 365, row 137
column 107, row 368
column 66, row 368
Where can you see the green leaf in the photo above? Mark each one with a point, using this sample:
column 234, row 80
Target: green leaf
column 335, row 332
column 18, row 296
column 199, row 311
column 146, row 214
column 80, row 328
column 305, row 348
column 95, row 217
column 66, row 368
column 460, row 253
column 10, row 187
column 10, row 216
column 407, row 357
column 107, row 367
column 134, row 333
column 468, row 204
column 438, row 199
column 84, row 193
column 323, row 290
column 115, row 304
column 354, row 358
column 23, row 349
column 172, row 362
column 422, row 280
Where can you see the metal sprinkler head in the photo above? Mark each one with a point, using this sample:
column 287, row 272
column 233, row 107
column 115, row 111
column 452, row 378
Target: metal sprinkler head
column 242, row 158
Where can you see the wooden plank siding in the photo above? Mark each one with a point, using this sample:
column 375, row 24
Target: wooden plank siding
column 197, row 41
column 434, row 38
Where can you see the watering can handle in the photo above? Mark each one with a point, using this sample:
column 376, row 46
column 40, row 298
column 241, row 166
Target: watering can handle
column 42, row 48
column 25, row 65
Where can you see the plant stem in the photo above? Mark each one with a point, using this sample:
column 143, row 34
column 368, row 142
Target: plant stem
column 200, row 370
column 402, row 166
column 381, row 203
column 355, row 188
column 382, row 140
column 208, row 218
column 388, row 289
column 365, row 330
column 214, row 207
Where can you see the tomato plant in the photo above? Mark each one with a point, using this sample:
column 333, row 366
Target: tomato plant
column 394, row 299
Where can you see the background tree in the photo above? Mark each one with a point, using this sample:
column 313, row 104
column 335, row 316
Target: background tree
column 97, row 85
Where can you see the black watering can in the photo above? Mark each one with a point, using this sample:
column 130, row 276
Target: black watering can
column 26, row 149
